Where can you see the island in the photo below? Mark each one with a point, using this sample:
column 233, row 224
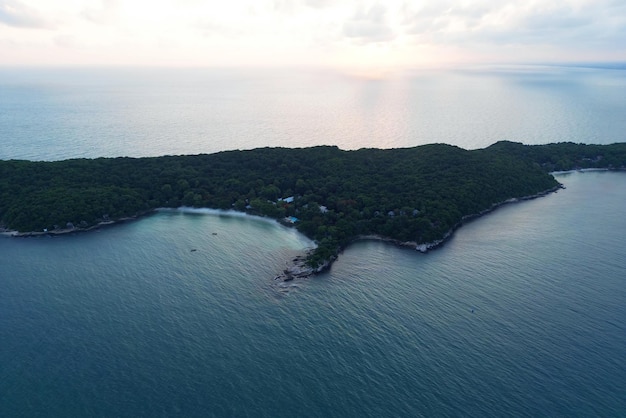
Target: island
column 410, row 196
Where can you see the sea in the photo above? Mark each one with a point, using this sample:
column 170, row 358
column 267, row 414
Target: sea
column 522, row 313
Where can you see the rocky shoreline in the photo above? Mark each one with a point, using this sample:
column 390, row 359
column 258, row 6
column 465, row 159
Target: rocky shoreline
column 467, row 218
column 299, row 269
column 70, row 230
column 425, row 247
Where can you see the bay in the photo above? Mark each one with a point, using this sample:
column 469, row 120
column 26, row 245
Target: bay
column 521, row 313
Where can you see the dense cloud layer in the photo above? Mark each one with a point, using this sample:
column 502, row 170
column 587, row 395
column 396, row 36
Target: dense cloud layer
column 306, row 32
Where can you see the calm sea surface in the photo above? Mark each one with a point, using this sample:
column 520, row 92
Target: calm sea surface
column 522, row 313
column 59, row 114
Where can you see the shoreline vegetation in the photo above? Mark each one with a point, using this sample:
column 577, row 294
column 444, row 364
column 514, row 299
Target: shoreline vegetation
column 413, row 197
column 299, row 269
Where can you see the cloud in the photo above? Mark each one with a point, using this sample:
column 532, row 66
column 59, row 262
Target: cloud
column 210, row 28
column 369, row 26
column 319, row 4
column 436, row 19
column 14, row 13
column 284, row 6
column 560, row 24
column 106, row 13
column 555, row 20
column 363, row 32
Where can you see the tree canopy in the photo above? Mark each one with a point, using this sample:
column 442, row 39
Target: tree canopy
column 412, row 194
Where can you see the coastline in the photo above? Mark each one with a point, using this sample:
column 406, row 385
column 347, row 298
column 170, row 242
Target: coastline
column 425, row 247
column 181, row 209
column 64, row 231
column 297, row 267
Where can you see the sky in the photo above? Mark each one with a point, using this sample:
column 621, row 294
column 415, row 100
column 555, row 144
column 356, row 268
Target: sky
column 345, row 34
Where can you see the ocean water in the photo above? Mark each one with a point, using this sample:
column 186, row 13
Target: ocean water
column 521, row 313
column 59, row 114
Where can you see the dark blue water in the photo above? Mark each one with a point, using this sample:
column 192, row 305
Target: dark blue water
column 522, row 313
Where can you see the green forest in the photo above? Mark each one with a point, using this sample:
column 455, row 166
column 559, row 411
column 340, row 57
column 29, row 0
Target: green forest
column 410, row 195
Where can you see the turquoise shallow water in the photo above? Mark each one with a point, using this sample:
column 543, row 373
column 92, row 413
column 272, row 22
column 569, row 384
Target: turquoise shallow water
column 520, row 314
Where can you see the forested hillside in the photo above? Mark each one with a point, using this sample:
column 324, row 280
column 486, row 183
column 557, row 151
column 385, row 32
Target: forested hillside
column 414, row 194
